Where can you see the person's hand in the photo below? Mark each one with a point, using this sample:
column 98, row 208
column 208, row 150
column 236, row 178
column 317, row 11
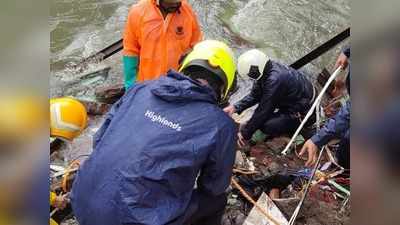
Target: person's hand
column 61, row 201
column 339, row 88
column 342, row 61
column 230, row 110
column 312, row 151
column 241, row 141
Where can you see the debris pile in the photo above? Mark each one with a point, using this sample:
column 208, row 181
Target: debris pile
column 262, row 174
column 278, row 182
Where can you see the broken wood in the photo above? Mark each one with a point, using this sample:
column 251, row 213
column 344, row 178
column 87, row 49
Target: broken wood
column 257, row 218
column 244, row 172
column 259, row 208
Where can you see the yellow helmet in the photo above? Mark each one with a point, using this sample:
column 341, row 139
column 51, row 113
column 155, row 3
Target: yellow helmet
column 21, row 116
column 216, row 57
column 68, row 118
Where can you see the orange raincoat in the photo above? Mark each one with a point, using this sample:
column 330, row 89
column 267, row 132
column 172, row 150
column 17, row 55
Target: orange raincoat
column 159, row 43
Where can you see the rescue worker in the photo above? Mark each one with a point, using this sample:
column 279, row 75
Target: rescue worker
column 68, row 118
column 165, row 152
column 337, row 127
column 344, row 81
column 158, row 33
column 283, row 95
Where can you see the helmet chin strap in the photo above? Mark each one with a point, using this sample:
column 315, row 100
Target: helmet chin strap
column 254, row 73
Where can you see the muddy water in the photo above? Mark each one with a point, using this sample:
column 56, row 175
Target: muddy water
column 285, row 29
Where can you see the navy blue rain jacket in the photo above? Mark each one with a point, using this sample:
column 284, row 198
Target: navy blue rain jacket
column 337, row 127
column 346, row 52
column 280, row 87
column 155, row 142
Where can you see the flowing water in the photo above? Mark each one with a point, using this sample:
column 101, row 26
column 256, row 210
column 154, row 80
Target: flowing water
column 285, row 29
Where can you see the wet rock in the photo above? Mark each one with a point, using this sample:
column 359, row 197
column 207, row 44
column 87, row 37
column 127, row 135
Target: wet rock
column 110, row 94
column 274, row 168
column 277, row 144
column 95, row 108
column 314, row 212
column 261, row 155
column 233, row 217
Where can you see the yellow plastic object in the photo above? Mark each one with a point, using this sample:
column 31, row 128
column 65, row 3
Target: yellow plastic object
column 53, row 197
column 218, row 55
column 68, row 118
column 21, row 116
column 52, row 222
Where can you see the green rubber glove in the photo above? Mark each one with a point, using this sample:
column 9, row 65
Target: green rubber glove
column 130, row 70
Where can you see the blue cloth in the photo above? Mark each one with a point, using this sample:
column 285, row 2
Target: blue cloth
column 346, row 51
column 280, row 87
column 336, row 127
column 156, row 140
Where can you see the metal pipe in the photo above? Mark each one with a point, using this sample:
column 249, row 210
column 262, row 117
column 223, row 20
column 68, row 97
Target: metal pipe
column 296, row 212
column 311, row 111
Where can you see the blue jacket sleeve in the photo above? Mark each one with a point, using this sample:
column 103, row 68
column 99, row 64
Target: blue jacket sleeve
column 215, row 176
column 346, row 51
column 130, row 70
column 336, row 127
column 250, row 100
column 265, row 108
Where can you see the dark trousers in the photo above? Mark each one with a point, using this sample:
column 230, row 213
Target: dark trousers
column 281, row 124
column 343, row 153
column 210, row 210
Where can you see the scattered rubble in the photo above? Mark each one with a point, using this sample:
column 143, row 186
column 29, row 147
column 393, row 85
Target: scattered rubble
column 285, row 176
column 261, row 170
column 71, row 221
column 257, row 218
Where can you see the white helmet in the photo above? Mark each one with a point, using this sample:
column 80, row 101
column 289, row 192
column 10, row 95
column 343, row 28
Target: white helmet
column 252, row 64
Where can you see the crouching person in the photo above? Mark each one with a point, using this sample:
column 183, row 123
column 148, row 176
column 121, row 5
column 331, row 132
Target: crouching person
column 283, row 94
column 165, row 152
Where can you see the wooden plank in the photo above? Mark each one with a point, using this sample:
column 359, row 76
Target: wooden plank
column 257, row 218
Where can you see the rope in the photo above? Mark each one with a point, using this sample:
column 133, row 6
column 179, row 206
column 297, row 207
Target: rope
column 66, row 175
column 311, row 111
column 244, row 172
column 247, row 196
column 296, row 212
